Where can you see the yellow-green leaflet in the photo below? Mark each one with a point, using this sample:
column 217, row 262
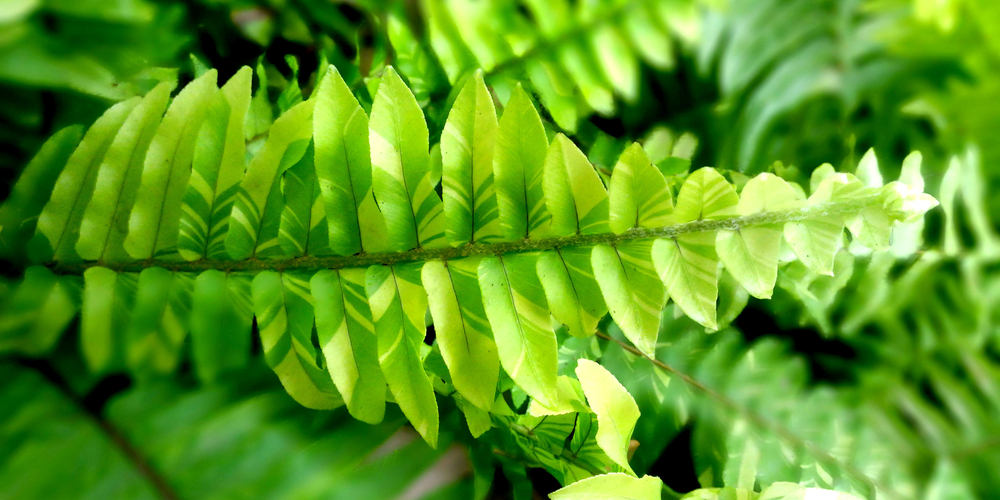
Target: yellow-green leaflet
column 688, row 263
column 574, row 193
column 633, row 292
column 303, row 229
column 217, row 169
column 258, row 204
column 455, row 57
column 571, row 289
column 571, row 399
column 108, row 298
column 400, row 168
column 518, row 169
column 751, row 254
column 346, row 335
column 155, row 218
column 467, row 144
column 59, row 222
column 613, row 486
column 463, row 332
column 105, row 222
column 616, row 411
column 399, row 306
column 515, row 305
column 157, row 327
column 221, row 319
column 343, row 167
column 33, row 317
column 614, row 55
column 284, row 310
column 816, row 241
column 639, row 196
column 19, row 212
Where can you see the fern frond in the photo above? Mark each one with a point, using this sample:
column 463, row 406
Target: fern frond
column 629, row 245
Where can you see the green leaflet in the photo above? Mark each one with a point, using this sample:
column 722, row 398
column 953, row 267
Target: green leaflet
column 108, row 298
column 347, row 336
column 574, row 193
column 518, row 169
column 59, row 223
column 571, row 289
column 639, row 196
column 19, row 212
column 400, row 168
column 751, row 254
column 256, row 213
column 398, row 306
column 105, row 221
column 217, row 168
column 467, row 144
column 35, row 315
column 158, row 325
column 302, row 230
column 632, row 290
column 613, row 486
column 343, row 166
column 616, row 411
column 816, row 241
column 221, row 320
column 688, row 264
column 570, row 399
column 284, row 311
column 155, row 218
column 454, row 56
column 515, row 305
column 463, row 333
column 614, row 55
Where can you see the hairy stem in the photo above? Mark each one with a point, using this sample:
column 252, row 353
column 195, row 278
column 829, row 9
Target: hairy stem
column 758, row 420
column 849, row 207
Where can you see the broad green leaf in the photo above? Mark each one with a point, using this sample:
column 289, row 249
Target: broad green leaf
column 217, row 168
column 158, row 325
column 470, row 204
column 59, row 223
column 574, row 193
column 570, row 399
column 400, row 168
column 258, row 203
column 616, row 411
column 515, row 305
column 639, row 196
column 751, row 253
column 463, row 333
column 35, row 315
column 399, row 306
column 105, row 223
column 633, row 292
column 343, row 166
column 571, row 289
column 154, row 221
column 347, row 336
column 613, row 486
column 108, row 298
column 221, row 319
column 518, row 168
column 19, row 212
column 302, row 230
column 689, row 267
column 284, row 310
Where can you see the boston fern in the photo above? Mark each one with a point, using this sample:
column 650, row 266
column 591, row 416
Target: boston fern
column 338, row 234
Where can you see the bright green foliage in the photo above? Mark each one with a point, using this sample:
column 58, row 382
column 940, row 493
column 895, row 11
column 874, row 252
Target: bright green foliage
column 399, row 305
column 347, row 337
column 616, row 410
column 400, row 162
column 463, row 332
column 467, row 176
column 614, row 486
column 284, row 311
column 518, row 167
column 341, row 300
